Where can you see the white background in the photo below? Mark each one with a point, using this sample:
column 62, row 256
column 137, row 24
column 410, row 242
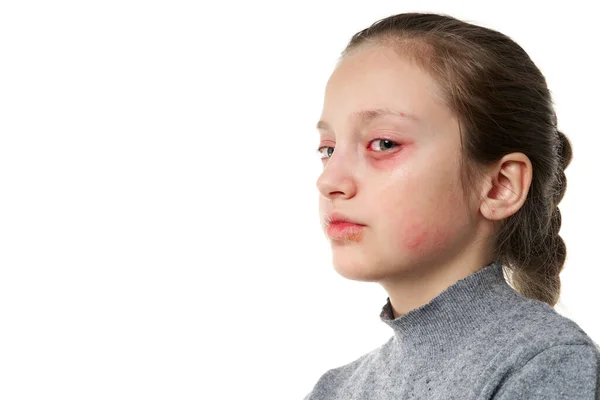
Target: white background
column 159, row 235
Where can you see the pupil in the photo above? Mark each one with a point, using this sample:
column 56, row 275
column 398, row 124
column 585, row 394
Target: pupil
column 386, row 141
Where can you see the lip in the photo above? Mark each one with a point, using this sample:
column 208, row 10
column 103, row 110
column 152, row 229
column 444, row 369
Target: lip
column 342, row 228
column 345, row 231
column 336, row 217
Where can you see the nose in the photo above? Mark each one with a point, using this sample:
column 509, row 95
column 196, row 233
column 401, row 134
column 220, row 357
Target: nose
column 337, row 179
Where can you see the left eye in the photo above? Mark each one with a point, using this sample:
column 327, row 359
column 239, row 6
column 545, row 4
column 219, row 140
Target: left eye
column 385, row 144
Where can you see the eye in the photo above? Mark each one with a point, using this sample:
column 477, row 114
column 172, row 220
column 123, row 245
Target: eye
column 329, row 153
column 385, row 144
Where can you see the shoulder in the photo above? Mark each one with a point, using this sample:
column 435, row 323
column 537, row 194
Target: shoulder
column 565, row 371
column 540, row 326
column 518, row 327
column 361, row 363
column 333, row 380
column 546, row 356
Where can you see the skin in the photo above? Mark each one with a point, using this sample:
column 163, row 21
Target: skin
column 422, row 233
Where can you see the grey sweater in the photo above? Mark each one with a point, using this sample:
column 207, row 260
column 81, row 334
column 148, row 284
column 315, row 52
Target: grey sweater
column 479, row 339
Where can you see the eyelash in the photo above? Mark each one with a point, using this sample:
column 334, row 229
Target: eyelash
column 374, row 140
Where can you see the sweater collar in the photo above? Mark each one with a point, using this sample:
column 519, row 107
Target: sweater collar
column 453, row 315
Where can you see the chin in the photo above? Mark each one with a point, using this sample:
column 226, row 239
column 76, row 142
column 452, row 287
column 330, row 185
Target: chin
column 357, row 268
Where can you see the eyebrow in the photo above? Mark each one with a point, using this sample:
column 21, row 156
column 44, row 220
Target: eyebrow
column 365, row 116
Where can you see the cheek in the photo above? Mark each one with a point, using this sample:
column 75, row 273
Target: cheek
column 427, row 227
column 422, row 236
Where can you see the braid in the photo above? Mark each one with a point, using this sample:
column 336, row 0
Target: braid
column 538, row 276
column 566, row 151
column 565, row 156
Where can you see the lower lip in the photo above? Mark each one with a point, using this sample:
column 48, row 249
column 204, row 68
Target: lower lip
column 345, row 231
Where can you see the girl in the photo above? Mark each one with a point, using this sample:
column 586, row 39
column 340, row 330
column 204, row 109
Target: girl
column 442, row 167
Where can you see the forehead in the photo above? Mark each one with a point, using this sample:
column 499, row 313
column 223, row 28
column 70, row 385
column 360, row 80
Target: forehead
column 378, row 77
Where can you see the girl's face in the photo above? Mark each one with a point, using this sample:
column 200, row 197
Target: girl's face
column 398, row 175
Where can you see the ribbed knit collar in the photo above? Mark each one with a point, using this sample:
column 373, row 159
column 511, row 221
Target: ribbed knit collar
column 452, row 316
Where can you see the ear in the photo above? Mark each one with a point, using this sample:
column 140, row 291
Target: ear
column 506, row 186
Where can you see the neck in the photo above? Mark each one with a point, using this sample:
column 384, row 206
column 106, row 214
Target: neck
column 414, row 287
column 452, row 316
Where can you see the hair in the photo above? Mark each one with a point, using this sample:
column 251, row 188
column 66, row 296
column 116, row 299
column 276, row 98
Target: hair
column 503, row 105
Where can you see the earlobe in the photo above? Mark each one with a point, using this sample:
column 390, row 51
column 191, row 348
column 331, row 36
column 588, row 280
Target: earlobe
column 506, row 186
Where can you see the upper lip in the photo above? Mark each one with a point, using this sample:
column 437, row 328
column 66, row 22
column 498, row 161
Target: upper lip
column 339, row 217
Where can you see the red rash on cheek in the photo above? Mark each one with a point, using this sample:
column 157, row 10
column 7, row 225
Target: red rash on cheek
column 417, row 237
column 416, row 240
column 413, row 233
